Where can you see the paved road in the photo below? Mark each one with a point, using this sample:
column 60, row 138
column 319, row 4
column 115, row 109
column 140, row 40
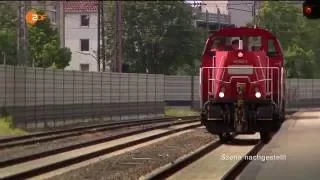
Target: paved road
column 299, row 141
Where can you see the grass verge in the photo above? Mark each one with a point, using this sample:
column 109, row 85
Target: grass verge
column 176, row 112
column 7, row 129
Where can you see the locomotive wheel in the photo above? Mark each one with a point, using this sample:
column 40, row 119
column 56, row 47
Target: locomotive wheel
column 265, row 137
column 224, row 137
column 203, row 119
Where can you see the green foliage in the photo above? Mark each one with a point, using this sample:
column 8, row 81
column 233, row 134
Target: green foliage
column 63, row 58
column 45, row 46
column 297, row 36
column 7, row 129
column 8, row 33
column 43, row 40
column 178, row 112
column 160, row 37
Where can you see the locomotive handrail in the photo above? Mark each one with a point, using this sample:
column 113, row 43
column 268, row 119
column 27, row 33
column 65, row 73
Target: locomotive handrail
column 268, row 80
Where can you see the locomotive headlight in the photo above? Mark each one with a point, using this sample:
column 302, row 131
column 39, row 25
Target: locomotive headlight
column 221, row 94
column 240, row 54
column 258, row 94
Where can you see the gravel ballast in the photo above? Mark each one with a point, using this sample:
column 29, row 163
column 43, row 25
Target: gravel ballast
column 20, row 151
column 143, row 160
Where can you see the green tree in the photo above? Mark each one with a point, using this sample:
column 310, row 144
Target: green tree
column 296, row 35
column 44, row 45
column 8, row 33
column 160, row 36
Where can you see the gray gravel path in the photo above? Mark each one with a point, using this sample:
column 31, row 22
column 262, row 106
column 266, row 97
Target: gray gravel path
column 134, row 164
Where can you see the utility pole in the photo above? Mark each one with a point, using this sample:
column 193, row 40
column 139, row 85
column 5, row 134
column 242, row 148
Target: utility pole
column 118, row 41
column 19, row 25
column 22, row 40
column 115, row 63
column 103, row 53
column 99, row 34
column 121, row 30
column 61, row 20
column 254, row 13
column 219, row 23
column 4, row 58
column 207, row 20
column 258, row 13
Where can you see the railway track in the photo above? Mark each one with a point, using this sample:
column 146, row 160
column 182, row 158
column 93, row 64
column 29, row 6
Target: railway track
column 207, row 157
column 197, row 162
column 54, row 135
column 30, row 166
column 235, row 171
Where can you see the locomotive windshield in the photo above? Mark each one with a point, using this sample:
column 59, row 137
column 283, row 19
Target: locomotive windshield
column 230, row 43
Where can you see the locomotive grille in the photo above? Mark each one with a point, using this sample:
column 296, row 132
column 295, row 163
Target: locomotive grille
column 240, row 69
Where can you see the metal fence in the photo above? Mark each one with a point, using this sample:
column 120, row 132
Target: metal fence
column 300, row 93
column 38, row 97
column 303, row 93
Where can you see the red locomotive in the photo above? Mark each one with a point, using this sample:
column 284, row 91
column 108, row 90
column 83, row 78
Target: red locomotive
column 242, row 83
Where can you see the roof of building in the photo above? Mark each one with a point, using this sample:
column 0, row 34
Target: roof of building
column 80, row 6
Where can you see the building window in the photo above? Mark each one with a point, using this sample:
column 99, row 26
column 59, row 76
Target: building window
column 54, row 14
column 84, row 67
column 84, row 44
column 84, row 20
column 53, row 17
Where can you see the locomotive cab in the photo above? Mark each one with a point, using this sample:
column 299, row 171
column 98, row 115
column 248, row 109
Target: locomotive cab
column 242, row 83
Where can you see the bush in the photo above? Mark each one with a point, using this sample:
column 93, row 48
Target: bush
column 178, row 112
column 7, row 129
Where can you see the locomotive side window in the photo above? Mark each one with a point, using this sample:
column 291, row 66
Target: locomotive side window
column 228, row 43
column 272, row 48
column 254, row 43
column 219, row 43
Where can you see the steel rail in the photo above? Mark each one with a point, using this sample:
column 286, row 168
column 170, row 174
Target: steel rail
column 54, row 135
column 67, row 162
column 85, row 144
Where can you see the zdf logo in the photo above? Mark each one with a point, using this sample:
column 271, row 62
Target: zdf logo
column 32, row 17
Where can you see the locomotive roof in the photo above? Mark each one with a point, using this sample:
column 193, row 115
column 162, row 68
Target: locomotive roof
column 240, row 31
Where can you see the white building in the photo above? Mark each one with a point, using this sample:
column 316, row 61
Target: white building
column 240, row 12
column 212, row 7
column 81, row 34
